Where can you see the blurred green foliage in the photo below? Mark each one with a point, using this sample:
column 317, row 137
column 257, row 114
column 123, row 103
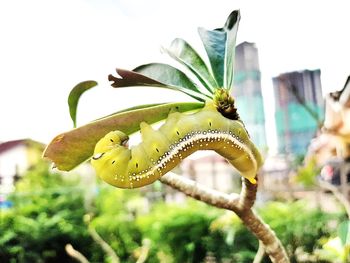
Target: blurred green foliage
column 298, row 226
column 181, row 231
column 45, row 217
column 114, row 220
column 336, row 248
column 49, row 211
column 307, row 174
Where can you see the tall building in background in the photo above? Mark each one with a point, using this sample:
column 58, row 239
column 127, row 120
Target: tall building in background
column 247, row 92
column 296, row 124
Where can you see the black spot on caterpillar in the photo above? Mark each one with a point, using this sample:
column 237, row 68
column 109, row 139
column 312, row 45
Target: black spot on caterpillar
column 161, row 150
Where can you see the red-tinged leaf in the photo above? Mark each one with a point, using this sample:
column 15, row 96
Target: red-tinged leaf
column 159, row 76
column 130, row 78
column 73, row 147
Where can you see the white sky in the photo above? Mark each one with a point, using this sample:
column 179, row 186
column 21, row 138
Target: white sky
column 46, row 47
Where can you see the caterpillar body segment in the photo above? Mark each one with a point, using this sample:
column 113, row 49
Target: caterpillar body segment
column 114, row 169
column 154, row 142
column 163, row 149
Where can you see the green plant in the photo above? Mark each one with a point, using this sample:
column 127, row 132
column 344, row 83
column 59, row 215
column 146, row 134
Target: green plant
column 182, row 232
column 41, row 220
column 298, row 225
column 114, row 220
column 337, row 249
column 48, row 212
column 210, row 84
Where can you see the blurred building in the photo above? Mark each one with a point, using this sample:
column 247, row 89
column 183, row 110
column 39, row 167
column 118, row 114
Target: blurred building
column 15, row 158
column 299, row 109
column 247, row 92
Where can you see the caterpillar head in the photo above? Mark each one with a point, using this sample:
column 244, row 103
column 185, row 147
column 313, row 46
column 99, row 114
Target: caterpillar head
column 111, row 140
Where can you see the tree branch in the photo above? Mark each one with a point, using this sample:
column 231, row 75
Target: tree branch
column 248, row 195
column 240, row 204
column 266, row 235
column 201, row 192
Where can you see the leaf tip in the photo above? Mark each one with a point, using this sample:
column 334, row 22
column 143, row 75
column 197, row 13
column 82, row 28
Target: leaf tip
column 233, row 19
column 74, row 96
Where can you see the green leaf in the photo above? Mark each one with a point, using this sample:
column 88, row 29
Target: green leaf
column 168, row 75
column 181, row 51
column 231, row 27
column 214, row 43
column 220, row 45
column 74, row 97
column 344, row 232
column 157, row 75
column 71, row 148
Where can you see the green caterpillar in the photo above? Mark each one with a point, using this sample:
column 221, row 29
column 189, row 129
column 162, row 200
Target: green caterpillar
column 180, row 136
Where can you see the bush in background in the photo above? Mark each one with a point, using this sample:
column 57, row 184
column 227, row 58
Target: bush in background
column 49, row 212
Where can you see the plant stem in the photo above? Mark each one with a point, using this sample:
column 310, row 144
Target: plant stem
column 75, row 254
column 248, row 195
column 201, row 192
column 104, row 245
column 146, row 244
column 260, row 254
column 240, row 204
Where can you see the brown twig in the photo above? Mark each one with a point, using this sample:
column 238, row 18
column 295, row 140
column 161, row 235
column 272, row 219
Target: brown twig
column 263, row 232
column 201, row 192
column 240, row 204
column 248, row 195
